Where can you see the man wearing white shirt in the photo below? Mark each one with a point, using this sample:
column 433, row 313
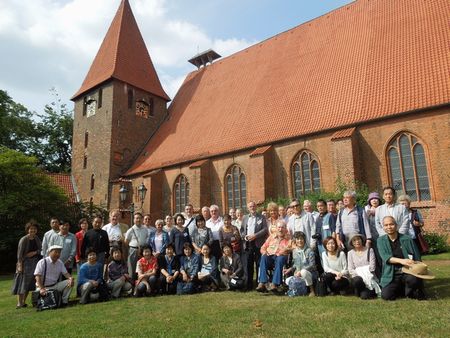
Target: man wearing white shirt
column 148, row 224
column 215, row 223
column 136, row 237
column 308, row 207
column 303, row 222
column 390, row 208
column 115, row 230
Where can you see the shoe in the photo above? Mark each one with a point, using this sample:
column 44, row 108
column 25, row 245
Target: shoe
column 63, row 305
column 272, row 287
column 312, row 293
column 261, row 287
column 279, row 289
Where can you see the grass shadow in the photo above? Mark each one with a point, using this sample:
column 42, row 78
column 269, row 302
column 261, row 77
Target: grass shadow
column 438, row 288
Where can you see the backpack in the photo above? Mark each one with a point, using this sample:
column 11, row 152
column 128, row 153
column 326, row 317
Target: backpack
column 297, row 287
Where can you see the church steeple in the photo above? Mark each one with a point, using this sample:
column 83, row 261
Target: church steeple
column 123, row 56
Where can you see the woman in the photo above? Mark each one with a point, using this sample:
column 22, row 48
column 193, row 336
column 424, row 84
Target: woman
column 91, row 286
column 169, row 265
column 272, row 209
column 416, row 223
column 373, row 202
column 179, row 235
column 231, row 269
column 201, row 235
column 207, row 275
column 146, row 268
column 229, row 234
column 119, row 281
column 84, row 226
column 334, row 266
column 28, row 254
column 168, row 226
column 361, row 266
column 303, row 262
column 239, row 217
column 189, row 266
column 158, row 239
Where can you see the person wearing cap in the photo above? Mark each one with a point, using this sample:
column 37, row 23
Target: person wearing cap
column 398, row 253
column 373, row 202
column 361, row 267
column 49, row 270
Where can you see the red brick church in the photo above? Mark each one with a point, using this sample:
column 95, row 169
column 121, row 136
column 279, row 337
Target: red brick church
column 361, row 93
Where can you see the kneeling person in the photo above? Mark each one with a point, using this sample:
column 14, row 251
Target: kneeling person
column 49, row 270
column 91, row 285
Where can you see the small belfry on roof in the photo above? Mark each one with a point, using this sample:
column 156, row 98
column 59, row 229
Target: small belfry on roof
column 203, row 58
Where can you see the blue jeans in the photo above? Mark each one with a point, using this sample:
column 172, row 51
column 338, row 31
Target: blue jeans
column 271, row 262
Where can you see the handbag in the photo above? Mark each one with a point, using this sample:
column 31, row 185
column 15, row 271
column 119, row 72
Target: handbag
column 321, row 287
column 236, row 283
column 51, row 300
column 422, row 243
column 17, row 281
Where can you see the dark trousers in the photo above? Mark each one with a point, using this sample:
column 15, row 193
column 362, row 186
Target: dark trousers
column 251, row 257
column 360, row 288
column 336, row 285
column 167, row 288
column 216, row 251
column 402, row 285
column 141, row 288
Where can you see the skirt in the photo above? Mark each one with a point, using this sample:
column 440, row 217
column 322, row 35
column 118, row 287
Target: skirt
column 24, row 281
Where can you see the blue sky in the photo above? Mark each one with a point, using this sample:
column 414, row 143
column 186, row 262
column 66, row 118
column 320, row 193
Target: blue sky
column 51, row 43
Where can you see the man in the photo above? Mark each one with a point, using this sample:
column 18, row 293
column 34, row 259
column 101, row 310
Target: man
column 49, row 270
column 331, row 208
column 351, row 220
column 115, row 230
column 97, row 239
column 54, row 224
column 189, row 218
column 399, row 254
column 68, row 242
column 206, row 213
column 302, row 222
column 307, row 207
column 135, row 238
column 325, row 226
column 275, row 251
column 390, row 208
column 215, row 223
column 148, row 224
column 254, row 232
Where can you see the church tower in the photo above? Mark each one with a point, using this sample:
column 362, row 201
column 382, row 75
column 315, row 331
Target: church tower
column 118, row 107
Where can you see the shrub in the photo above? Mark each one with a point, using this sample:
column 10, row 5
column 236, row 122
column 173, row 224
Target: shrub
column 436, row 242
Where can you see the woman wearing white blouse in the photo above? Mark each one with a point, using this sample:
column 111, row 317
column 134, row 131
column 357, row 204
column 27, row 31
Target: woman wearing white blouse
column 334, row 266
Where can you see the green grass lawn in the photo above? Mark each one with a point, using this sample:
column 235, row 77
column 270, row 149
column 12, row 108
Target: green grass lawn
column 233, row 314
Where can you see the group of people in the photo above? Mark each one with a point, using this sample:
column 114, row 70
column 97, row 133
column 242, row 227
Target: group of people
column 373, row 250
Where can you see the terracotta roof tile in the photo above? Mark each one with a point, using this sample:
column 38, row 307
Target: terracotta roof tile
column 364, row 61
column 260, row 151
column 123, row 56
column 65, row 182
column 198, row 164
column 344, row 133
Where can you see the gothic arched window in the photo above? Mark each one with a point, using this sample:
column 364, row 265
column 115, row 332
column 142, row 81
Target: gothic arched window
column 305, row 174
column 236, row 186
column 181, row 193
column 408, row 167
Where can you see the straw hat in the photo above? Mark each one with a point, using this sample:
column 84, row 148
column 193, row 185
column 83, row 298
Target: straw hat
column 418, row 269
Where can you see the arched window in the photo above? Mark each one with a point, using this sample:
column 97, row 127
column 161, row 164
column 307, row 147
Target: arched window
column 92, row 182
column 305, row 174
column 408, row 167
column 181, row 193
column 236, row 188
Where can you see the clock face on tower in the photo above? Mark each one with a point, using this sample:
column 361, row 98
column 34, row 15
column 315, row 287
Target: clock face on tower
column 90, row 109
column 142, row 109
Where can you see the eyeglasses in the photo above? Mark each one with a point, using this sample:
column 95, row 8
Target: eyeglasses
column 295, row 205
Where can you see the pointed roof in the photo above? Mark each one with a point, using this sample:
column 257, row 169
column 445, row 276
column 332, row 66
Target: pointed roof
column 366, row 61
column 123, row 56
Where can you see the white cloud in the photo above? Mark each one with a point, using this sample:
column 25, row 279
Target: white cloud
column 46, row 43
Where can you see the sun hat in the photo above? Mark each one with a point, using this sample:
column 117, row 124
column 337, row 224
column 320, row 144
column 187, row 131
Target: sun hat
column 352, row 236
column 54, row 247
column 418, row 269
column 373, row 195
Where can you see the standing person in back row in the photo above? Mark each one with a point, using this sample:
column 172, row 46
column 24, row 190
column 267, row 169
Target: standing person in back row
column 302, row 221
column 215, row 223
column 97, row 239
column 254, row 232
column 351, row 220
column 390, row 208
column 135, row 238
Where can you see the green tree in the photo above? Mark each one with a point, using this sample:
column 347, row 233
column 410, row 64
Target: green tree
column 17, row 129
column 26, row 192
column 54, row 136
